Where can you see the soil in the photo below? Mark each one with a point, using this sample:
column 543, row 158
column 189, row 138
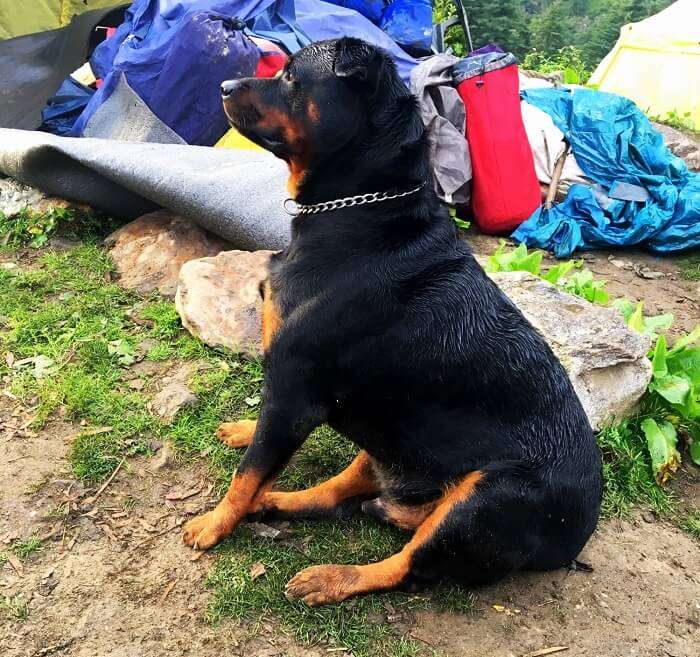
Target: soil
column 113, row 578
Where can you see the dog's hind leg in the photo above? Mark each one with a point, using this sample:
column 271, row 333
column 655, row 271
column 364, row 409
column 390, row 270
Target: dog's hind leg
column 356, row 482
column 237, row 434
column 332, row 583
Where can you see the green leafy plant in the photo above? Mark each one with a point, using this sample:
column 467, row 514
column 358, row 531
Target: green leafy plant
column 676, row 120
column 582, row 284
column 517, row 259
column 567, row 60
column 579, row 283
column 636, row 320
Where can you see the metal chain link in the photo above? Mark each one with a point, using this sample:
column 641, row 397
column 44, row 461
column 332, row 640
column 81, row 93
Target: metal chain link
column 347, row 202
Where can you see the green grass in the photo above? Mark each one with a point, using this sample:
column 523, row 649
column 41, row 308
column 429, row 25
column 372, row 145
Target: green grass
column 627, row 472
column 690, row 267
column 14, row 607
column 23, row 549
column 691, row 523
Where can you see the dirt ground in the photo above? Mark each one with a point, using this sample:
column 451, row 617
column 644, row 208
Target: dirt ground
column 113, row 578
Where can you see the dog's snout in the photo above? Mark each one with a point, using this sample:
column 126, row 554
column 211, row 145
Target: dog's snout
column 229, row 86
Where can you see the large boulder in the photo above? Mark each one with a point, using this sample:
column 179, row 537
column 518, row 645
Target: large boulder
column 605, row 360
column 219, row 299
column 149, row 252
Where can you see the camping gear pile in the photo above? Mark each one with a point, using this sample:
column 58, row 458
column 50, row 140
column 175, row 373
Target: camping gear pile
column 146, row 76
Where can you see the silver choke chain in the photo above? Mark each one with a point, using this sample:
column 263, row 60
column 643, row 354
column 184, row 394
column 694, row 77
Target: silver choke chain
column 347, row 202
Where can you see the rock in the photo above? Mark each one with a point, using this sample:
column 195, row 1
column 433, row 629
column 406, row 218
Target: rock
column 164, row 459
column 605, row 360
column 219, row 299
column 15, row 196
column 681, row 145
column 173, row 396
column 149, row 252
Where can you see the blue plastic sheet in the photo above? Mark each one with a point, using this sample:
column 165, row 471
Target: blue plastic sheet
column 65, row 106
column 408, row 22
column 152, row 36
column 614, row 142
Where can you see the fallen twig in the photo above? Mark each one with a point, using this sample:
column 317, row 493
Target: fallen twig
column 18, row 458
column 91, row 500
column 52, row 649
column 167, row 591
column 546, row 651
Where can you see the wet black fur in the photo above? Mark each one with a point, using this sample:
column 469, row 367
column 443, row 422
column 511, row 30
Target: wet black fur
column 395, row 337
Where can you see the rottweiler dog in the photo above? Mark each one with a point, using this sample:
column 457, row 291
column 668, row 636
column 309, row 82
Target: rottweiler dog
column 378, row 321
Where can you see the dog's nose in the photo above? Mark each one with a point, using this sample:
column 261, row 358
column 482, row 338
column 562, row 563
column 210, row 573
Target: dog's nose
column 229, row 86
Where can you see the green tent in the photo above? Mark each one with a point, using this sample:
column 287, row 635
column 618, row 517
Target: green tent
column 19, row 17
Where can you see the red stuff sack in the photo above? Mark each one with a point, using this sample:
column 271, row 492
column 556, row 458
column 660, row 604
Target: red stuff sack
column 505, row 189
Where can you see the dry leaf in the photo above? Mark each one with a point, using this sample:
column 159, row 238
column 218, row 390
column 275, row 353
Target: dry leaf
column 499, row 608
column 175, row 495
column 257, row 570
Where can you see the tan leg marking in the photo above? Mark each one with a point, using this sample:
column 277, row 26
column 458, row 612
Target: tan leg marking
column 271, row 320
column 357, row 479
column 237, row 434
column 319, row 585
column 210, row 528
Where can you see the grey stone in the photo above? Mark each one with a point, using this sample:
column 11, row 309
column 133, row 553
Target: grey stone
column 681, row 145
column 219, row 299
column 149, row 252
column 174, row 395
column 605, row 360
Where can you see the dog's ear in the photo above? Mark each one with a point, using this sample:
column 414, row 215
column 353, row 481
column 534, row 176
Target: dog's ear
column 358, row 61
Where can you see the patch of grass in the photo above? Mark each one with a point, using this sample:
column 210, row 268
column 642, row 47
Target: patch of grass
column 15, row 607
column 690, row 267
column 691, row 523
column 627, row 472
column 33, row 228
column 23, row 549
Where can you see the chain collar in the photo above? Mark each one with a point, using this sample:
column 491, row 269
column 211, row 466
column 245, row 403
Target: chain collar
column 296, row 209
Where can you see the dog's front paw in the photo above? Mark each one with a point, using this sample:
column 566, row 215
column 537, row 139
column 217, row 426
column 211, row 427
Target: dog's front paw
column 205, row 531
column 237, row 434
column 322, row 585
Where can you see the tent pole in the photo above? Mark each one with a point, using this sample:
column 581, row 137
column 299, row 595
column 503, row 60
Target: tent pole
column 464, row 20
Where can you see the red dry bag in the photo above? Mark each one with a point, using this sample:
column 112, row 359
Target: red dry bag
column 505, row 189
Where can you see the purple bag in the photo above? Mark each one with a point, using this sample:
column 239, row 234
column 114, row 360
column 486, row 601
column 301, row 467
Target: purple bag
column 186, row 96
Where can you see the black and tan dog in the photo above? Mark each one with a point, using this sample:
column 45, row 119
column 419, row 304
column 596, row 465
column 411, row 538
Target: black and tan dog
column 379, row 322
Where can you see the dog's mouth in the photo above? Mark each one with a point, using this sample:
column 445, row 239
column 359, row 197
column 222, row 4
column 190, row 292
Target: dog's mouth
column 245, row 119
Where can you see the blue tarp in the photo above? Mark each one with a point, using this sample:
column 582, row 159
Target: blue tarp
column 408, row 22
column 151, row 36
column 614, row 142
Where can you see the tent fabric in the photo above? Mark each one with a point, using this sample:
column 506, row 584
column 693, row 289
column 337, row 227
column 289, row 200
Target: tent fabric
column 33, row 67
column 444, row 117
column 505, row 190
column 65, row 106
column 614, row 143
column 236, row 194
column 656, row 63
column 152, row 28
column 42, row 15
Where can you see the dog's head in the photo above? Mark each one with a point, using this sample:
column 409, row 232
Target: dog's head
column 317, row 105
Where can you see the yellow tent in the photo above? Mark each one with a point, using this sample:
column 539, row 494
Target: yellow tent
column 656, row 63
column 28, row 16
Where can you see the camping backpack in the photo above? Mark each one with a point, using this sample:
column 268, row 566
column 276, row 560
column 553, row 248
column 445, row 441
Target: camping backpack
column 505, row 189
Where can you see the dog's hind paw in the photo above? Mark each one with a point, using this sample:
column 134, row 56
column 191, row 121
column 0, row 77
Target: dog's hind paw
column 321, row 585
column 237, row 434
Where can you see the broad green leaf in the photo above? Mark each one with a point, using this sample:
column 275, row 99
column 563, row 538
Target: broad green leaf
column 571, row 76
column 674, row 389
column 636, row 320
column 464, row 225
column 659, row 360
column 695, row 452
column 687, row 340
column 685, row 362
column 531, row 263
column 661, row 442
column 123, row 350
column 625, row 307
column 557, row 272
